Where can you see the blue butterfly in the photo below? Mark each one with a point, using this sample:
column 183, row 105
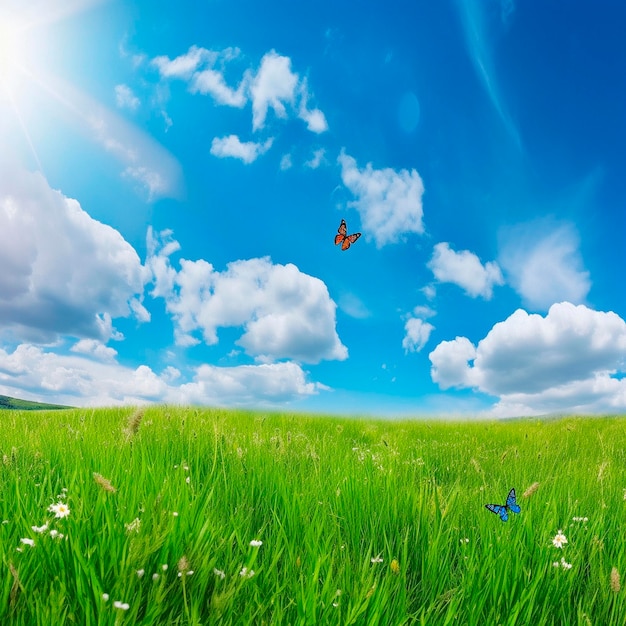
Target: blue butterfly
column 502, row 509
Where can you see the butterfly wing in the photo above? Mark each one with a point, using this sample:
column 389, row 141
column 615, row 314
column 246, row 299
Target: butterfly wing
column 343, row 231
column 349, row 240
column 498, row 509
column 511, row 503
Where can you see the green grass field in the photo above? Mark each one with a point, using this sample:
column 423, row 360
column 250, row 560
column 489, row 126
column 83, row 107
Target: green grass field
column 361, row 521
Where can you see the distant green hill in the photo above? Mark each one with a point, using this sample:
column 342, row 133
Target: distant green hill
column 6, row 402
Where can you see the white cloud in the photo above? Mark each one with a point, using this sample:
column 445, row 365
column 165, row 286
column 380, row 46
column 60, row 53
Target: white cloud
column 185, row 65
column 317, row 159
column 248, row 384
column 232, row 146
column 353, row 306
column 417, row 334
column 31, row 372
column 286, row 162
column 465, row 270
column 543, row 263
column 125, row 98
column 565, row 361
column 285, row 313
column 212, row 82
column 97, row 349
column 315, row 119
column 62, row 271
column 389, row 202
column 273, row 86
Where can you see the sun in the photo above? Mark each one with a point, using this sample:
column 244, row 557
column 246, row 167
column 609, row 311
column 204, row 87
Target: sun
column 11, row 53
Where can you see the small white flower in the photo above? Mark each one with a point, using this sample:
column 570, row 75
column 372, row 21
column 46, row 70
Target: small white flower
column 335, row 604
column 140, row 572
column 40, row 529
column 28, row 542
column 219, row 573
column 155, row 576
column 55, row 534
column 105, row 597
column 60, row 509
column 186, row 468
column 377, row 559
column 164, row 567
column 190, row 572
column 559, row 540
column 246, row 573
column 188, row 480
column 124, row 606
column 175, row 513
column 256, row 543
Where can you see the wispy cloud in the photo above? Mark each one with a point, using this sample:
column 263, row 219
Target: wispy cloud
column 125, row 98
column 543, row 263
column 389, row 201
column 317, row 159
column 479, row 41
column 273, row 87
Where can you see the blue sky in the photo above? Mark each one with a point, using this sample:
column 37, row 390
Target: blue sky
column 172, row 178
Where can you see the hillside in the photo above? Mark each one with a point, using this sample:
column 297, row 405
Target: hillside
column 7, row 402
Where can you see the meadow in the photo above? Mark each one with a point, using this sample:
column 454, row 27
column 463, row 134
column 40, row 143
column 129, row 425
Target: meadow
column 177, row 516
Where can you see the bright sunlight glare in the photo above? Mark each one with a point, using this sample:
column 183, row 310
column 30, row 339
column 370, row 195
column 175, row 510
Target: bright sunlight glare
column 10, row 50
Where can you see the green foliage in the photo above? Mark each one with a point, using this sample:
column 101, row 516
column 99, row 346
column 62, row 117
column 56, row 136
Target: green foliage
column 335, row 503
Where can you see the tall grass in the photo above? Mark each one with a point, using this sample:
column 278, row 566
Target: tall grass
column 361, row 521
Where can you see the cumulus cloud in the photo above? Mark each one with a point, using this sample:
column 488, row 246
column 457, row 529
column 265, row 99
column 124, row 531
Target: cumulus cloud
column 285, row 313
column 565, row 361
column 543, row 263
column 95, row 348
column 389, row 202
column 417, row 330
column 248, row 384
column 29, row 371
column 232, row 146
column 62, row 271
column 417, row 333
column 465, row 270
column 125, row 98
column 273, row 86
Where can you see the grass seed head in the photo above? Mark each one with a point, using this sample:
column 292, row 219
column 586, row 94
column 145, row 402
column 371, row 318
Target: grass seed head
column 529, row 492
column 183, row 564
column 133, row 424
column 615, row 582
column 104, row 483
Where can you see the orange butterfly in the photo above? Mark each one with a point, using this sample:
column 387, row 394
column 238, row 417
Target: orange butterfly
column 343, row 238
